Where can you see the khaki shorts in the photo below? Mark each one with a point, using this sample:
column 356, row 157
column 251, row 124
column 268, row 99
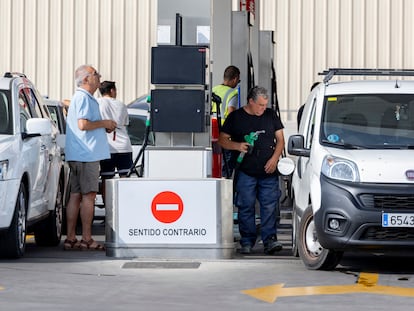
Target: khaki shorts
column 84, row 177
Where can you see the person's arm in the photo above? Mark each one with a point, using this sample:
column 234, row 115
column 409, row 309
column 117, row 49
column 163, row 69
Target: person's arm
column 230, row 109
column 226, row 142
column 271, row 164
column 86, row 125
column 233, row 104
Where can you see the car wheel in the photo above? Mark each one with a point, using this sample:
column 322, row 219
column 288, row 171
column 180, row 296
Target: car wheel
column 295, row 221
column 49, row 232
column 64, row 219
column 13, row 241
column 313, row 255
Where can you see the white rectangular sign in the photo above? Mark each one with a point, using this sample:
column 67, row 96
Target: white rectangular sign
column 164, row 212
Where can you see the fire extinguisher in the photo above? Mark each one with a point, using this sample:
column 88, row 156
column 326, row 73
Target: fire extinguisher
column 215, row 132
column 217, row 154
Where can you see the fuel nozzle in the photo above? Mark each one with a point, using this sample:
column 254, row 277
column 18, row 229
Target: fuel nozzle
column 250, row 139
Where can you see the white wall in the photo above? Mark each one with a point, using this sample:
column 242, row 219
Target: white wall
column 313, row 35
column 48, row 39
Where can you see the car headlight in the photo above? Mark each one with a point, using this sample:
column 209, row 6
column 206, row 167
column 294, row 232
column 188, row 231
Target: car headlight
column 4, row 165
column 338, row 168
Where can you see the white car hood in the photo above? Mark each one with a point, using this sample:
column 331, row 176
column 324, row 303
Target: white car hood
column 381, row 166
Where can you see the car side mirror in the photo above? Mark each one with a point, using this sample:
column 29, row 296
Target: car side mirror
column 296, row 145
column 38, row 126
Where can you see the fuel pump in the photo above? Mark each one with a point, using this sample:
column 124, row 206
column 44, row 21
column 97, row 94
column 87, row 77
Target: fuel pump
column 241, row 52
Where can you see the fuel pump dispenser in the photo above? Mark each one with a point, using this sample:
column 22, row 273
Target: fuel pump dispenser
column 267, row 76
column 241, row 53
column 180, row 113
column 177, row 210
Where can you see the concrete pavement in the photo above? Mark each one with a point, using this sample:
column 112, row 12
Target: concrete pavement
column 53, row 279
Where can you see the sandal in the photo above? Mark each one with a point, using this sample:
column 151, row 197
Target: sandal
column 70, row 245
column 91, row 245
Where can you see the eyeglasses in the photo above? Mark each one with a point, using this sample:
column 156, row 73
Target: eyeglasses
column 95, row 73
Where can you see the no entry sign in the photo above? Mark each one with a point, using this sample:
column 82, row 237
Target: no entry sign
column 169, row 211
column 167, row 207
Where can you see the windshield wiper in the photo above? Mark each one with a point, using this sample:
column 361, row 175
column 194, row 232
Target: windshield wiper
column 343, row 145
column 395, row 146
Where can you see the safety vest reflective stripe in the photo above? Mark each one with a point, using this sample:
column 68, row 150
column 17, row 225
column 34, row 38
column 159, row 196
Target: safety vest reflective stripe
column 226, row 93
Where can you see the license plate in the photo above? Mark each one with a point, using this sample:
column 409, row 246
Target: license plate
column 397, row 220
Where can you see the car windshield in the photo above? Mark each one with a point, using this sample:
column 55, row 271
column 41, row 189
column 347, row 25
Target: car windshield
column 6, row 123
column 136, row 130
column 380, row 121
column 53, row 114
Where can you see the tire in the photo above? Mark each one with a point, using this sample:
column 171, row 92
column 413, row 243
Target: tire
column 13, row 241
column 295, row 222
column 64, row 220
column 49, row 231
column 313, row 255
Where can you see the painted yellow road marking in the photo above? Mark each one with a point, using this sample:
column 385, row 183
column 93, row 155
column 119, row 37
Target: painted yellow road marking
column 367, row 283
column 29, row 238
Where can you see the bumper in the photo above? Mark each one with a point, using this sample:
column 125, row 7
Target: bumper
column 8, row 195
column 358, row 208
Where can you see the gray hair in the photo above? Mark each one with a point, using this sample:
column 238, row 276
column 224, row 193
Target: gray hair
column 256, row 92
column 81, row 73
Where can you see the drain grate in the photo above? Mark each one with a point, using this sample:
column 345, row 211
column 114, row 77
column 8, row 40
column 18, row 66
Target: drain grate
column 160, row 265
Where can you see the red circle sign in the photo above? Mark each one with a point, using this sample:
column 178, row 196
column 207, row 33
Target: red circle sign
column 167, row 207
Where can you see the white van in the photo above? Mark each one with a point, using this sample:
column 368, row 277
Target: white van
column 353, row 185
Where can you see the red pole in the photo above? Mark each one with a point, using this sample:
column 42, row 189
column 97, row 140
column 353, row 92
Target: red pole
column 217, row 155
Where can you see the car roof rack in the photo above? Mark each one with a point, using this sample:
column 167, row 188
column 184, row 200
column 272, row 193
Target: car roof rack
column 9, row 74
column 364, row 72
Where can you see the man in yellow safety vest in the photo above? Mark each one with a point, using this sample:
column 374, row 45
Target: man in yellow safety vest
column 228, row 93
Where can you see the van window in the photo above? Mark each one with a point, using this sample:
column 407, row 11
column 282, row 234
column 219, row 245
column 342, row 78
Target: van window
column 311, row 126
column 5, row 115
column 25, row 113
column 368, row 121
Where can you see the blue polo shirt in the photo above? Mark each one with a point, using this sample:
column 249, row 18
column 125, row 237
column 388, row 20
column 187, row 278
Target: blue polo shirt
column 84, row 146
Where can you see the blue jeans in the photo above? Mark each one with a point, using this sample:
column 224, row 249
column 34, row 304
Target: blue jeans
column 266, row 191
column 227, row 166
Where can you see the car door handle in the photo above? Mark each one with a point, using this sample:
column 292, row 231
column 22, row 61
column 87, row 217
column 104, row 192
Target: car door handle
column 43, row 147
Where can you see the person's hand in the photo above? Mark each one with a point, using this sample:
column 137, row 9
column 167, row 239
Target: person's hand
column 270, row 166
column 244, row 147
column 110, row 126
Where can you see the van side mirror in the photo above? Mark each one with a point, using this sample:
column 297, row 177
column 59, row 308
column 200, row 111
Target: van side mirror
column 296, row 146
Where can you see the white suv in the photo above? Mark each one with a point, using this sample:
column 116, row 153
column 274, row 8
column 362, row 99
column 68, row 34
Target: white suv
column 353, row 185
column 30, row 168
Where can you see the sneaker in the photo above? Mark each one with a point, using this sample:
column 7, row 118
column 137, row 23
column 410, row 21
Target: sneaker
column 272, row 245
column 246, row 249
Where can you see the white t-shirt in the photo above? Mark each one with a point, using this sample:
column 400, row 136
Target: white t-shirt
column 113, row 109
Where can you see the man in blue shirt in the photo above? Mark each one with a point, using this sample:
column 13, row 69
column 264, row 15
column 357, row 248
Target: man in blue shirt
column 86, row 145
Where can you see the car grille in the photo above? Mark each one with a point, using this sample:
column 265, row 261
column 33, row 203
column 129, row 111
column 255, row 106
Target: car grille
column 387, row 201
column 388, row 234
